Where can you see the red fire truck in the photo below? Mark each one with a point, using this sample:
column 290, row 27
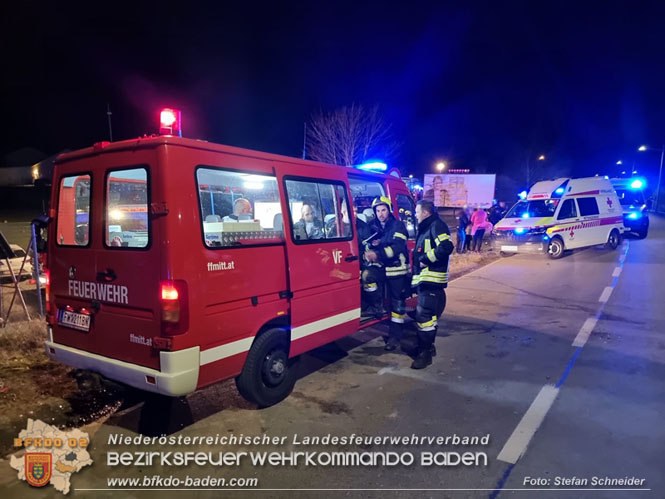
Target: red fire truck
column 176, row 263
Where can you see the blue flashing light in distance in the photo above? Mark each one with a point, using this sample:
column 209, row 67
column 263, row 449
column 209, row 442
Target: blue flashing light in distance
column 635, row 215
column 637, row 184
column 522, row 195
column 519, row 230
column 525, row 214
column 375, row 166
column 559, row 190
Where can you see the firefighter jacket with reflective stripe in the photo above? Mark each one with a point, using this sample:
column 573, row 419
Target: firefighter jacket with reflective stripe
column 433, row 247
column 392, row 251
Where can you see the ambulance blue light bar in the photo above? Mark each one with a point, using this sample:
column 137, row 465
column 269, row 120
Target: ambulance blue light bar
column 637, row 184
column 522, row 195
column 559, row 190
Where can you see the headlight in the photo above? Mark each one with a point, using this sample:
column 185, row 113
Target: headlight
column 635, row 215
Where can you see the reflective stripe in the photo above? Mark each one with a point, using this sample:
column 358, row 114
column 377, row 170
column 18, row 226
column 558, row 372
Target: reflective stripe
column 426, row 326
column 395, row 273
column 431, row 256
column 428, row 245
column 370, row 287
column 397, row 318
column 430, row 276
column 389, row 252
column 399, row 234
column 442, row 237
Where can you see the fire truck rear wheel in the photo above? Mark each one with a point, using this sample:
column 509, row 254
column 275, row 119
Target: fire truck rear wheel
column 268, row 375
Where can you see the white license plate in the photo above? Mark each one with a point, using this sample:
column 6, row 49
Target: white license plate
column 509, row 248
column 74, row 320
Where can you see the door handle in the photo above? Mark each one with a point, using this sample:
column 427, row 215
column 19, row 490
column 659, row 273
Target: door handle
column 108, row 276
column 350, row 258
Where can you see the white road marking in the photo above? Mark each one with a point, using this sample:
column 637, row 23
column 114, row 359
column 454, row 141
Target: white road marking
column 585, row 332
column 605, row 295
column 527, row 427
column 617, row 272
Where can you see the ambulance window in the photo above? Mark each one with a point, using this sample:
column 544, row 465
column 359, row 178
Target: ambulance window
column 72, row 227
column 363, row 192
column 407, row 211
column 568, row 210
column 319, row 210
column 239, row 208
column 126, row 209
column 588, row 206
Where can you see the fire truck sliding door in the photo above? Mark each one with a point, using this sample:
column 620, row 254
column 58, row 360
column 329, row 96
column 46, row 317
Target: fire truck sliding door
column 322, row 256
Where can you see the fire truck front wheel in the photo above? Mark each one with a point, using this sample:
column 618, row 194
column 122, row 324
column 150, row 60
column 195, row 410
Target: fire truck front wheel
column 268, row 375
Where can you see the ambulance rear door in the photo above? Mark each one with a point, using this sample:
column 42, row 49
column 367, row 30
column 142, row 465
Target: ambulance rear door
column 322, row 255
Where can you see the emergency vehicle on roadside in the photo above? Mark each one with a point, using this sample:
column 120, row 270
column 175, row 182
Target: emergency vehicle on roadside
column 156, row 284
column 561, row 215
column 633, row 203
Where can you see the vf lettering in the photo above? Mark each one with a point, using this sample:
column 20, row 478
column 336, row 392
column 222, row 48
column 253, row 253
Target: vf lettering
column 337, row 256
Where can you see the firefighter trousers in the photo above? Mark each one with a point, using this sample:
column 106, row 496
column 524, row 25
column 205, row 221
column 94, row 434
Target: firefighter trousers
column 431, row 304
column 398, row 286
column 373, row 278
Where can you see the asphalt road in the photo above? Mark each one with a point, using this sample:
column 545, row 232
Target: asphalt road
column 560, row 362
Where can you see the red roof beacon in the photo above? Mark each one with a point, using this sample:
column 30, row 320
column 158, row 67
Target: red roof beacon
column 169, row 122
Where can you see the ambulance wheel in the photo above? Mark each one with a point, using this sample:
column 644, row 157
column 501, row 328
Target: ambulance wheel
column 613, row 240
column 555, row 249
column 268, row 375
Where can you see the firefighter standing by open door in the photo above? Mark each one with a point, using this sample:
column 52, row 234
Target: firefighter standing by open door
column 430, row 276
column 388, row 254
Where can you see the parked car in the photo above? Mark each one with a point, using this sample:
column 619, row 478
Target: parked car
column 16, row 261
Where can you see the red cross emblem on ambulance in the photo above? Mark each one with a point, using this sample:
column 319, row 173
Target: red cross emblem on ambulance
column 609, row 202
column 572, row 233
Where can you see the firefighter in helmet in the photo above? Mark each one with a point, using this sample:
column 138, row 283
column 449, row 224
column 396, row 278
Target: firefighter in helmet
column 430, row 277
column 387, row 262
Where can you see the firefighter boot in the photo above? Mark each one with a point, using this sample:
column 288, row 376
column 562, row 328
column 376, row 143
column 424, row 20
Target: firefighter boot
column 423, row 359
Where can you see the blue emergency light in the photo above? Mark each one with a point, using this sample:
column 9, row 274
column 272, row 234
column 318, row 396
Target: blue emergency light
column 375, row 166
column 637, row 184
column 522, row 195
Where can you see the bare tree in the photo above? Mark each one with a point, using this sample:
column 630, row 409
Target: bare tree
column 350, row 136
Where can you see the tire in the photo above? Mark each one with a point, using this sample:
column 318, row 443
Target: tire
column 556, row 249
column 268, row 375
column 642, row 233
column 613, row 239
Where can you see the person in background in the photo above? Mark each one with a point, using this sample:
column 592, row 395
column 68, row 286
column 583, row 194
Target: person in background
column 242, row 210
column 308, row 227
column 479, row 225
column 497, row 212
column 463, row 222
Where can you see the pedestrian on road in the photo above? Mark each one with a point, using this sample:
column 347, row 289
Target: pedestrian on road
column 430, row 276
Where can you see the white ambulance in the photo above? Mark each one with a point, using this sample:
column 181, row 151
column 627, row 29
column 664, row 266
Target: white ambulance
column 560, row 215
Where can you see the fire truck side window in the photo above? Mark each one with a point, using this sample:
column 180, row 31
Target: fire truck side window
column 407, row 211
column 363, row 192
column 238, row 208
column 72, row 226
column 319, row 210
column 127, row 209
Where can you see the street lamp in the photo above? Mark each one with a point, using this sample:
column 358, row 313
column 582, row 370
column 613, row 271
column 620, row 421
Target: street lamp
column 660, row 171
column 541, row 157
column 619, row 162
column 440, row 166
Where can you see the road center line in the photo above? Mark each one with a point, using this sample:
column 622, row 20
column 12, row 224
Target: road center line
column 527, row 427
column 605, row 295
column 585, row 332
column 617, row 272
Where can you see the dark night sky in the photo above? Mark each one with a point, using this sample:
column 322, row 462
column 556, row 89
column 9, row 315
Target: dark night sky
column 478, row 84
